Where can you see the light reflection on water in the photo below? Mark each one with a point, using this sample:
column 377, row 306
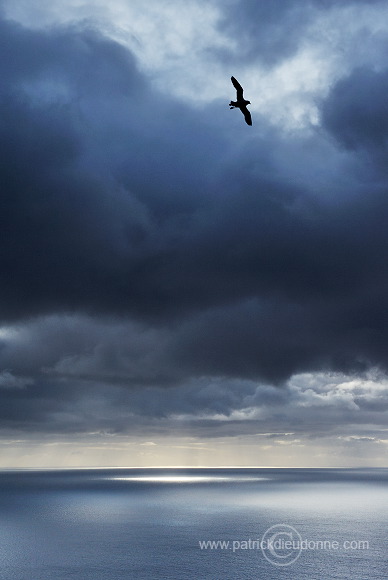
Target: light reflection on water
column 186, row 479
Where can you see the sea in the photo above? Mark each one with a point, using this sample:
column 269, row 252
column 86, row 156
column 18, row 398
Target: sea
column 186, row 524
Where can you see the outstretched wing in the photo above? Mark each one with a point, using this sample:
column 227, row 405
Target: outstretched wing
column 247, row 115
column 238, row 88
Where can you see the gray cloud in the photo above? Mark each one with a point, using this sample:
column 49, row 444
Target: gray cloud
column 272, row 32
column 258, row 28
column 355, row 111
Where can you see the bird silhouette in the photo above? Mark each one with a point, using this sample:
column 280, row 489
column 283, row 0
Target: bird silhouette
column 241, row 103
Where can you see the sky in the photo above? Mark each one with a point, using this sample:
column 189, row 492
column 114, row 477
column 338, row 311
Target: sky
column 178, row 288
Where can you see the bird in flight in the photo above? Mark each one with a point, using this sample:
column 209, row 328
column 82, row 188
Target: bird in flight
column 241, row 103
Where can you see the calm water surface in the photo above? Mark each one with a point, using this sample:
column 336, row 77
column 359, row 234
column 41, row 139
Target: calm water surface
column 114, row 524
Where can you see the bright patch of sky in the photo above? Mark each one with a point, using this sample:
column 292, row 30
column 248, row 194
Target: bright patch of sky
column 179, row 49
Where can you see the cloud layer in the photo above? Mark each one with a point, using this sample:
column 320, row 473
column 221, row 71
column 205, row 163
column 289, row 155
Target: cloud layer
column 159, row 259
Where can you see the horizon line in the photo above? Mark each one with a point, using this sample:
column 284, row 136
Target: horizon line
column 97, row 467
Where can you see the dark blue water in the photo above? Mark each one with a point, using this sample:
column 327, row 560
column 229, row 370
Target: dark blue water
column 113, row 524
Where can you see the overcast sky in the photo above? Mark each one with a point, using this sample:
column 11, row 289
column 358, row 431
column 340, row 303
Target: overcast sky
column 178, row 288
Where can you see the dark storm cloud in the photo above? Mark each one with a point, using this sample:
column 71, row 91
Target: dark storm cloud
column 356, row 110
column 210, row 255
column 55, row 216
column 93, row 202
